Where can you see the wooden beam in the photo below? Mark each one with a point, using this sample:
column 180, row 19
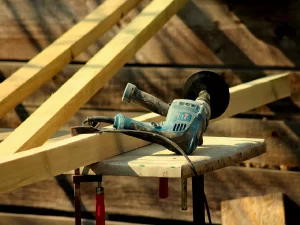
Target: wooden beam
column 61, row 156
column 71, row 153
column 53, row 58
column 252, row 94
column 89, row 79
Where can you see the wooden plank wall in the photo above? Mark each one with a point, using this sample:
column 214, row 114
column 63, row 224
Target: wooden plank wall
column 242, row 40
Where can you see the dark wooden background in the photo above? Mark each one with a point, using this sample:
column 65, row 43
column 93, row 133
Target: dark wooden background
column 241, row 40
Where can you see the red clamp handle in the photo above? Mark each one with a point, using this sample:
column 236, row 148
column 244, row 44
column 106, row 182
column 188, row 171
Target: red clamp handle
column 100, row 208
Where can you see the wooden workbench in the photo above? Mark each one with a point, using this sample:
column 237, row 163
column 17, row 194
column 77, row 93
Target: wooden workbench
column 156, row 161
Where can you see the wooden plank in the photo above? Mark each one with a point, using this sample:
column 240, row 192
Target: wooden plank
column 255, row 92
column 76, row 91
column 23, row 219
column 46, row 64
column 72, row 153
column 266, row 209
column 156, row 161
column 184, row 40
column 133, row 196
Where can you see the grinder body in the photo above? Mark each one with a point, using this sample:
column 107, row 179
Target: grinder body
column 185, row 122
column 205, row 96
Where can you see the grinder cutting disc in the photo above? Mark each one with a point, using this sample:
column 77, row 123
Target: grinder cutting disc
column 214, row 84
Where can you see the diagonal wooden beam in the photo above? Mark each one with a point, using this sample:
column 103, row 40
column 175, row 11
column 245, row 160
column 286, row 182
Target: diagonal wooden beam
column 53, row 58
column 40, row 163
column 50, row 116
column 65, row 155
column 257, row 93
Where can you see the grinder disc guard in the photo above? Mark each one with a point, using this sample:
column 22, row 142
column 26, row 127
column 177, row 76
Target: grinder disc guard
column 216, row 87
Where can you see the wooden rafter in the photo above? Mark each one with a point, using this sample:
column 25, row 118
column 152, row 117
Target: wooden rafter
column 53, row 58
column 61, row 156
column 65, row 155
column 257, row 93
column 90, row 78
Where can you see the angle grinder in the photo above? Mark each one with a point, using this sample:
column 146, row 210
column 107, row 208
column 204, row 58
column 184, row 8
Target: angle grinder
column 205, row 96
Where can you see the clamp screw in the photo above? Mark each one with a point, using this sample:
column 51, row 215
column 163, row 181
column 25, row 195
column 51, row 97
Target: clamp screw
column 99, row 189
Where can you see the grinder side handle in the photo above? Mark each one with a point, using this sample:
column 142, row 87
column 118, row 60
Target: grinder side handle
column 147, row 101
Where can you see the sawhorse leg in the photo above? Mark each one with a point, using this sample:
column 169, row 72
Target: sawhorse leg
column 99, row 197
column 77, row 199
column 198, row 200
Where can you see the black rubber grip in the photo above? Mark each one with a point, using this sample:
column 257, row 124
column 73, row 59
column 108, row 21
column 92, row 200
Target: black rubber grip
column 145, row 100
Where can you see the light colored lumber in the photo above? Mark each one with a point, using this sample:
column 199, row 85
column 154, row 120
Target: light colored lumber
column 53, row 58
column 156, row 161
column 58, row 138
column 89, row 79
column 257, row 93
column 262, row 210
column 61, row 156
